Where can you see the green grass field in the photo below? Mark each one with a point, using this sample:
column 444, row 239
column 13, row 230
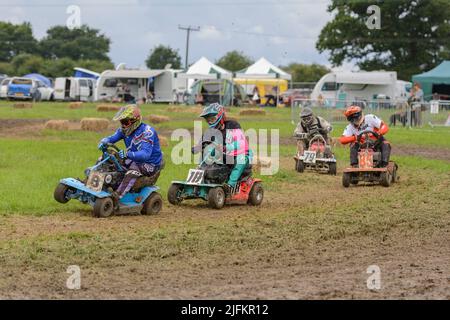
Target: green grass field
column 306, row 221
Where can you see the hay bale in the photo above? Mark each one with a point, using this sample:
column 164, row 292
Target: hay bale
column 94, row 124
column 23, row 105
column 57, row 125
column 261, row 162
column 75, row 105
column 195, row 110
column 252, row 112
column 107, row 108
column 163, row 141
column 158, row 119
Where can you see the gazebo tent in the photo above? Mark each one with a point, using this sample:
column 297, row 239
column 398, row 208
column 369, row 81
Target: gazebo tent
column 263, row 69
column 204, row 69
column 436, row 80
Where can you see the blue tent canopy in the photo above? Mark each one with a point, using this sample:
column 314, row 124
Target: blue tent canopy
column 85, row 73
column 39, row 77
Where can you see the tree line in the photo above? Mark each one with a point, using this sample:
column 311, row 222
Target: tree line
column 56, row 54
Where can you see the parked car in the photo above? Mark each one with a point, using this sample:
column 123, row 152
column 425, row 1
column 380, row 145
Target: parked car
column 29, row 89
column 294, row 94
column 4, row 88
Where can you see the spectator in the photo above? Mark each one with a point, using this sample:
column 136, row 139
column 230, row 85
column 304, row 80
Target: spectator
column 416, row 99
column 272, row 97
column 256, row 99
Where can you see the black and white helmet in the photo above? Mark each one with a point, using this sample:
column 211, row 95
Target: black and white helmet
column 306, row 116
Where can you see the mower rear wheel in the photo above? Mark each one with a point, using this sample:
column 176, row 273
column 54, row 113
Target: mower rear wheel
column 216, row 198
column 61, row 192
column 153, row 204
column 299, row 166
column 103, row 207
column 386, row 179
column 173, row 195
column 256, row 195
column 332, row 168
column 394, row 174
column 346, row 179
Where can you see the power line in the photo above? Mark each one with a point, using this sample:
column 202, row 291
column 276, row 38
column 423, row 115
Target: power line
column 188, row 32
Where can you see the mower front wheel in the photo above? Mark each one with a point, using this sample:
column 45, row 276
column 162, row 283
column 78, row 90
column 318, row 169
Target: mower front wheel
column 346, row 180
column 216, row 198
column 386, row 179
column 60, row 193
column 332, row 168
column 173, row 195
column 103, row 207
column 152, row 205
column 299, row 166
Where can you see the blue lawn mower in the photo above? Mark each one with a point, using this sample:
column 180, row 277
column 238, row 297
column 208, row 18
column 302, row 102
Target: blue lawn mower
column 104, row 177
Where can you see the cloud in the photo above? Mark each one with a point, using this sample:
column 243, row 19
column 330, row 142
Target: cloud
column 280, row 32
column 211, row 33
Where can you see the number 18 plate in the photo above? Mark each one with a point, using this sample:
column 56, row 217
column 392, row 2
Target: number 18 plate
column 195, row 176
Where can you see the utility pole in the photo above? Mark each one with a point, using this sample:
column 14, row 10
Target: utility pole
column 188, row 29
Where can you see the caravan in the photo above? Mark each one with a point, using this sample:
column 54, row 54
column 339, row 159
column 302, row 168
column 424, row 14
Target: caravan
column 338, row 89
column 127, row 85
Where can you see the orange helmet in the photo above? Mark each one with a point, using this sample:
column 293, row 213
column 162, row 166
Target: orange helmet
column 354, row 115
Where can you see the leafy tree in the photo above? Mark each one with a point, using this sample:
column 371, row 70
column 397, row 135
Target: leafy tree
column 16, row 39
column 234, row 61
column 6, row 68
column 77, row 44
column 25, row 63
column 162, row 55
column 95, row 65
column 306, row 72
column 413, row 36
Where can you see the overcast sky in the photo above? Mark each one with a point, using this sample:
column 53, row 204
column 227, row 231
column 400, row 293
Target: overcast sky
column 283, row 31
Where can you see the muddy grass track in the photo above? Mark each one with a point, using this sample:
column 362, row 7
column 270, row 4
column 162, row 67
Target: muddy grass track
column 300, row 244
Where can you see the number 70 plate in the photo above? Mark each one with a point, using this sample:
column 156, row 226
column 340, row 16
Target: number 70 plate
column 195, row 176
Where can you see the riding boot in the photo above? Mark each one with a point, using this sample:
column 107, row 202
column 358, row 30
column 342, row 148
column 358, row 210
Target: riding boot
column 354, row 149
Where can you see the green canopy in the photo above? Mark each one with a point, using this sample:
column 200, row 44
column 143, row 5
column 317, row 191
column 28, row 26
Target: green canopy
column 438, row 76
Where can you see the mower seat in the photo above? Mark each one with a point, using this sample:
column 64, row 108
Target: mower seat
column 376, row 156
column 247, row 172
column 147, row 181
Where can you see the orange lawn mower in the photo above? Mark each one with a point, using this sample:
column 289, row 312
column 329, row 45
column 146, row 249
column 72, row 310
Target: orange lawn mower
column 368, row 169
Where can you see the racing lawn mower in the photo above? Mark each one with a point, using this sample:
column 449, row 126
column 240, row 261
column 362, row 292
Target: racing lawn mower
column 208, row 180
column 318, row 157
column 369, row 160
column 104, row 177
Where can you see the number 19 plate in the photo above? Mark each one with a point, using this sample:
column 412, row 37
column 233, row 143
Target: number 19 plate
column 195, row 176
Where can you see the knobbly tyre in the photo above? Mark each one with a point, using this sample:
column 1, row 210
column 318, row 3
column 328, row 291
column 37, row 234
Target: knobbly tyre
column 318, row 157
column 368, row 169
column 104, row 177
column 208, row 182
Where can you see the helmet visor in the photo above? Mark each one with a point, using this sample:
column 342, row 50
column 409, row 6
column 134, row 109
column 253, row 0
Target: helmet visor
column 125, row 123
column 211, row 119
column 354, row 118
column 307, row 119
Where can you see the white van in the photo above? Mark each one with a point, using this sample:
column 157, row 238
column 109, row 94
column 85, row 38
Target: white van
column 338, row 89
column 75, row 89
column 132, row 85
column 4, row 88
